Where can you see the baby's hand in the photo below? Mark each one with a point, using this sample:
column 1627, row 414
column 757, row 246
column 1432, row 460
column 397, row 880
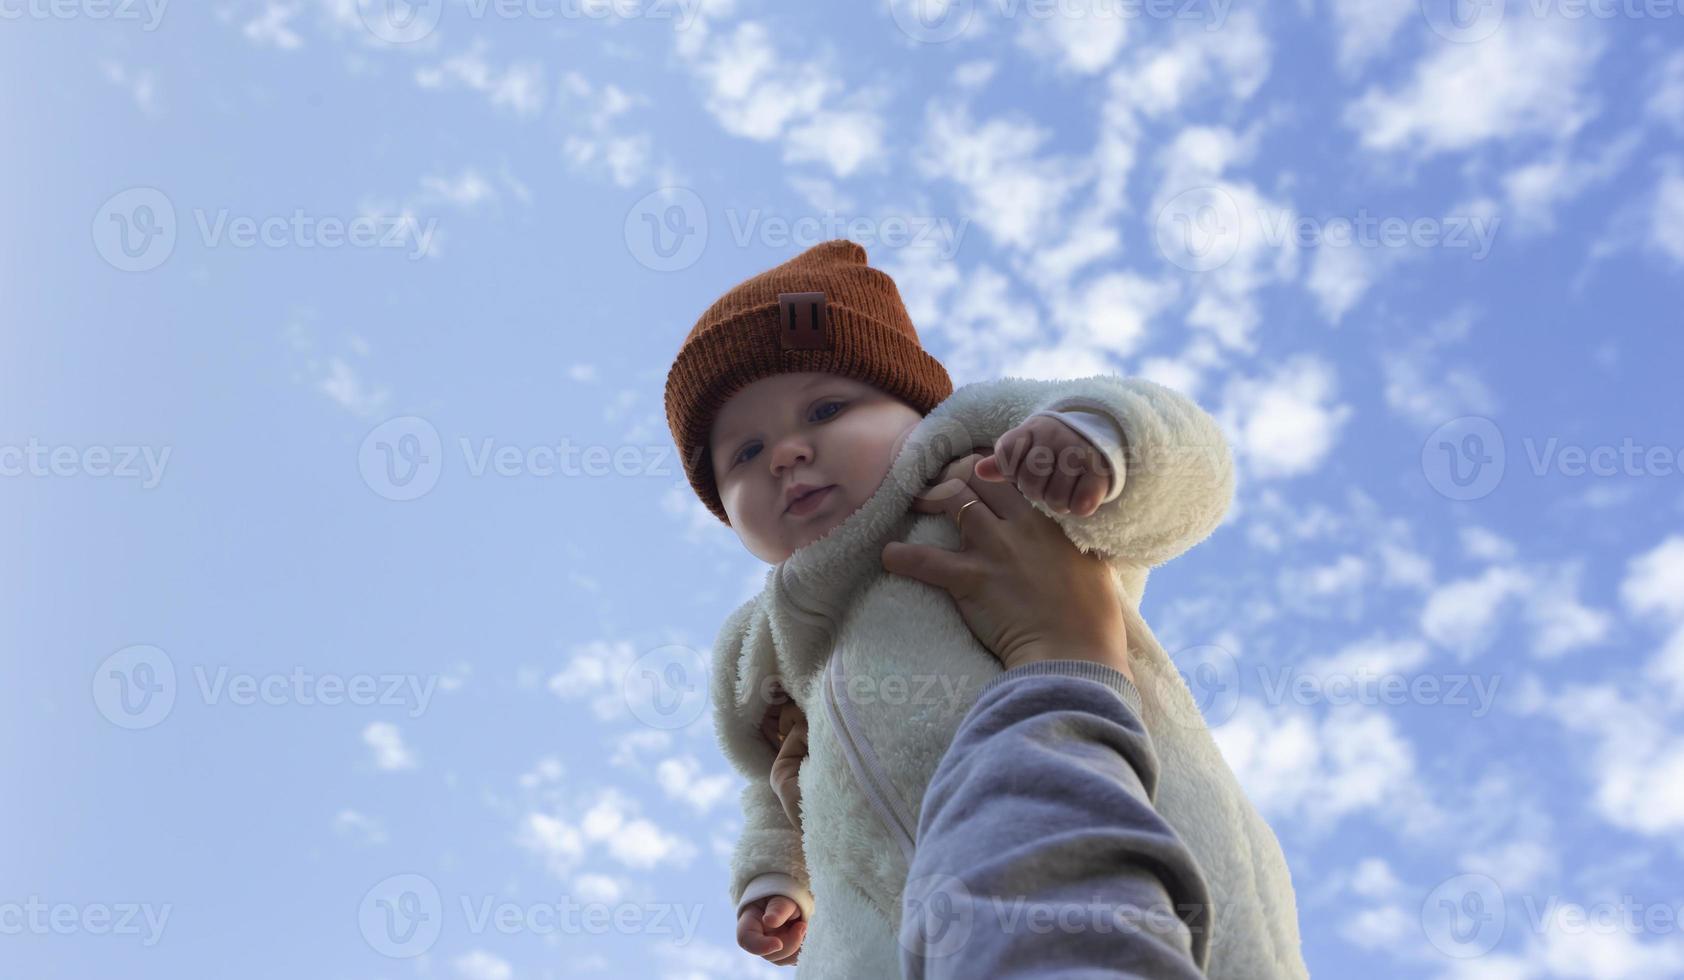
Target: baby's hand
column 772, row 929
column 1050, row 462
column 786, row 768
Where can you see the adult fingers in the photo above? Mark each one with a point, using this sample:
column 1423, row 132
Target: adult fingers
column 950, row 571
column 934, row 498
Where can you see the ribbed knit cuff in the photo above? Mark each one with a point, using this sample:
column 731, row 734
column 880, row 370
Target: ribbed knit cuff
column 1086, row 669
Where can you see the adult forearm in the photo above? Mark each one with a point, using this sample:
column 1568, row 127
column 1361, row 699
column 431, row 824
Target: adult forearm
column 1039, row 851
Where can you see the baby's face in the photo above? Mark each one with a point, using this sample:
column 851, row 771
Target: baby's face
column 810, row 428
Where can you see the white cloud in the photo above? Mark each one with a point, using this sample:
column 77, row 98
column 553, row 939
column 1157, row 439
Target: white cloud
column 1373, row 656
column 350, row 823
column 273, row 27
column 626, row 157
column 1527, row 78
column 1466, row 616
column 1084, row 36
column 974, row 74
column 755, row 93
column 1483, row 544
column 847, row 140
column 1242, row 232
column 1295, row 767
column 681, row 778
column 611, row 826
column 1425, row 390
column 1666, row 218
column 1462, row 616
column 386, row 742
column 547, row 770
column 1385, row 927
column 519, row 87
column 1014, row 192
column 1536, row 190
column 1166, row 77
column 605, row 889
column 1666, row 94
column 1560, row 622
column 1654, row 582
column 142, row 85
column 480, row 965
column 1339, row 276
column 595, row 674
column 343, row 385
column 1111, row 312
column 1284, row 425
column 1636, row 755
column 1366, row 27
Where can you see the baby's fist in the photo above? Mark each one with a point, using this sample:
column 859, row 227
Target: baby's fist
column 1050, row 462
column 772, row 928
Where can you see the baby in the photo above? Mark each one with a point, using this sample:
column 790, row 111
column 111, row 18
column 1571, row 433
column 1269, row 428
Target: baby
column 809, row 418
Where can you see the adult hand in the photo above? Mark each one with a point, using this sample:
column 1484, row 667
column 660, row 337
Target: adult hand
column 1023, row 587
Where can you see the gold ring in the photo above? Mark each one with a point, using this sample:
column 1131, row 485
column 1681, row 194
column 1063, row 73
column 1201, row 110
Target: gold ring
column 959, row 515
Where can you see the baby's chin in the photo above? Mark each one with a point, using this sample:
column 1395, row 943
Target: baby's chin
column 820, row 527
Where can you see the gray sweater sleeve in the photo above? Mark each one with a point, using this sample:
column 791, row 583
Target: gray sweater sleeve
column 1039, row 852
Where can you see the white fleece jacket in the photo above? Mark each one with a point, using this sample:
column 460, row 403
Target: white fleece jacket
column 884, row 668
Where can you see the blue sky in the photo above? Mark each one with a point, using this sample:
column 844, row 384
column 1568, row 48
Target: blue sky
column 345, row 533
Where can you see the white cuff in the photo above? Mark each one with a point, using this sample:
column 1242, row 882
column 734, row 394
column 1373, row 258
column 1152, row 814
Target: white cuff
column 777, row 883
column 1099, row 429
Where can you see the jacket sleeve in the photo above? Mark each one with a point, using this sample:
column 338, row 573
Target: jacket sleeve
column 1178, row 473
column 1043, row 803
column 767, row 858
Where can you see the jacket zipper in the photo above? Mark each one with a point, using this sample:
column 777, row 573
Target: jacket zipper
column 868, row 772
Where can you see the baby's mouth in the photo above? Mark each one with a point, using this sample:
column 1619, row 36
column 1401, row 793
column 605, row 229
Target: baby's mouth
column 809, row 502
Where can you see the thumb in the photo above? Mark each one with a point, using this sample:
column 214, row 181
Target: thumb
column 989, row 469
column 926, row 563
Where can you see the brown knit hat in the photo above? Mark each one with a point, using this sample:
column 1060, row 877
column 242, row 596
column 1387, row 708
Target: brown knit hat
column 824, row 310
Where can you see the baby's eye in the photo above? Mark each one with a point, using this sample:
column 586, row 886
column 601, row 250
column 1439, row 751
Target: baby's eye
column 826, row 405
column 739, row 457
